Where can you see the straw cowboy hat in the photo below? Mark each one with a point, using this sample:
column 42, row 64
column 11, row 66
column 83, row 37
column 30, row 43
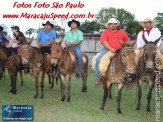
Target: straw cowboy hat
column 48, row 23
column 77, row 22
column 113, row 20
column 153, row 22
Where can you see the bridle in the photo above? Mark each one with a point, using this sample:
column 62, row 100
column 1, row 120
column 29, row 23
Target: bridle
column 125, row 69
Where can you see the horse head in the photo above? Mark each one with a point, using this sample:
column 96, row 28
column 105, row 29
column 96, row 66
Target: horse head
column 128, row 57
column 150, row 54
column 25, row 53
column 56, row 51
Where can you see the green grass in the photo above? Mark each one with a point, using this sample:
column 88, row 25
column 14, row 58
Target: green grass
column 84, row 107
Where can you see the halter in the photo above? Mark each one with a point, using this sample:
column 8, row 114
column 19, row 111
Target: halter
column 125, row 68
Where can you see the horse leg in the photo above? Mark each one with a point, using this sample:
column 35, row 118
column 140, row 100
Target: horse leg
column 52, row 82
column 106, row 87
column 15, row 80
column 68, row 87
column 139, row 94
column 110, row 95
column 120, row 86
column 63, row 87
column 42, row 84
column 11, row 78
column 36, row 84
column 21, row 76
column 84, row 80
column 49, row 81
column 151, row 85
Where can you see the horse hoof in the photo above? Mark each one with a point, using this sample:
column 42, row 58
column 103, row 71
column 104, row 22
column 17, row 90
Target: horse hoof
column 83, row 90
column 50, row 86
column 42, row 98
column 110, row 98
column 137, row 110
column 120, row 114
column 101, row 110
column 148, row 112
column 68, row 100
column 35, row 97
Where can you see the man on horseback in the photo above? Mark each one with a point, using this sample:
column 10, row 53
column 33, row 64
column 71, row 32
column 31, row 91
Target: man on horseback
column 110, row 41
column 150, row 33
column 46, row 37
column 73, row 39
column 3, row 41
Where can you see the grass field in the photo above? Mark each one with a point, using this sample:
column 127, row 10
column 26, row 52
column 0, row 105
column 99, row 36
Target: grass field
column 84, row 107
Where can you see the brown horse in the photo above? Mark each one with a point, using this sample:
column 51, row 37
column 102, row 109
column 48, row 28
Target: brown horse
column 122, row 65
column 62, row 58
column 12, row 63
column 146, row 71
column 33, row 58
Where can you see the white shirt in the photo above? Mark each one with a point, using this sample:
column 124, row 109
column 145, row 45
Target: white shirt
column 153, row 36
column 14, row 45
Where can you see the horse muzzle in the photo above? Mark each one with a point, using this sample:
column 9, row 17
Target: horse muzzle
column 54, row 62
column 149, row 68
column 130, row 70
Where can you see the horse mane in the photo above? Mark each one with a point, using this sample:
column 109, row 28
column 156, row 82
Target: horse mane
column 37, row 50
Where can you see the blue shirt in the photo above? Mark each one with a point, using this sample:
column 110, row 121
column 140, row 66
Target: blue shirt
column 45, row 37
column 3, row 39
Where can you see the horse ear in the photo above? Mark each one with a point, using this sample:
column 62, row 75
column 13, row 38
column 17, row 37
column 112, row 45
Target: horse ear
column 121, row 42
column 144, row 39
column 157, row 40
column 133, row 43
column 30, row 41
column 60, row 42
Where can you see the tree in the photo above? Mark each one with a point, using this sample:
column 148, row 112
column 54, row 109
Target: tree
column 159, row 20
column 91, row 27
column 29, row 31
column 126, row 19
column 59, row 31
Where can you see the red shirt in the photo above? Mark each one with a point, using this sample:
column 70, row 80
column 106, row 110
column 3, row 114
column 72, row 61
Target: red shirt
column 112, row 38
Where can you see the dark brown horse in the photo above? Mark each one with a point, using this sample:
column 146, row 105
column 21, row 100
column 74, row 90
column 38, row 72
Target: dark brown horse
column 33, row 58
column 63, row 59
column 146, row 71
column 12, row 63
column 122, row 65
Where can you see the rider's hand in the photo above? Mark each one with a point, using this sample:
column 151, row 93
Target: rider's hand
column 40, row 45
column 68, row 44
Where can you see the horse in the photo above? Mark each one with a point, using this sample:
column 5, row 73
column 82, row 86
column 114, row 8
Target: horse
column 67, row 66
column 32, row 57
column 146, row 71
column 13, row 64
column 121, row 66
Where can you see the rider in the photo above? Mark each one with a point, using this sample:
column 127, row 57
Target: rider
column 109, row 40
column 149, row 32
column 46, row 37
column 3, row 41
column 18, row 37
column 74, row 38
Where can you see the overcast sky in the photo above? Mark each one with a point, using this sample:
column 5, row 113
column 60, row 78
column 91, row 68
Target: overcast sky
column 140, row 8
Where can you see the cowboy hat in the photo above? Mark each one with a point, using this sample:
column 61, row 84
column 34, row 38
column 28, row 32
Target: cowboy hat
column 16, row 28
column 153, row 22
column 77, row 22
column 1, row 28
column 48, row 23
column 113, row 20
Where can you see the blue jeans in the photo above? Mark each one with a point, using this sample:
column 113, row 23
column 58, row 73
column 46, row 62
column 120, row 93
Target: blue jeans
column 78, row 54
column 102, row 53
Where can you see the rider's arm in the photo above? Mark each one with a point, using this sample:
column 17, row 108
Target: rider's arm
column 75, row 43
column 107, row 46
column 49, row 43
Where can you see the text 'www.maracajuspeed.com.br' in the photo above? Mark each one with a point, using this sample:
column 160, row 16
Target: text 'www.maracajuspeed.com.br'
column 47, row 16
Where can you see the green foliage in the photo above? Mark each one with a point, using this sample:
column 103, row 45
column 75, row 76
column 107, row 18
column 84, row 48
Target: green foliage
column 159, row 20
column 30, row 31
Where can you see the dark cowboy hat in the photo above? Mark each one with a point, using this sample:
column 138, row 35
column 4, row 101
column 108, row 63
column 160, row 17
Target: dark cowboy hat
column 1, row 28
column 48, row 23
column 77, row 22
column 16, row 28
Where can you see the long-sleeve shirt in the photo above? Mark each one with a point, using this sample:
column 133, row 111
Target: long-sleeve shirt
column 153, row 35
